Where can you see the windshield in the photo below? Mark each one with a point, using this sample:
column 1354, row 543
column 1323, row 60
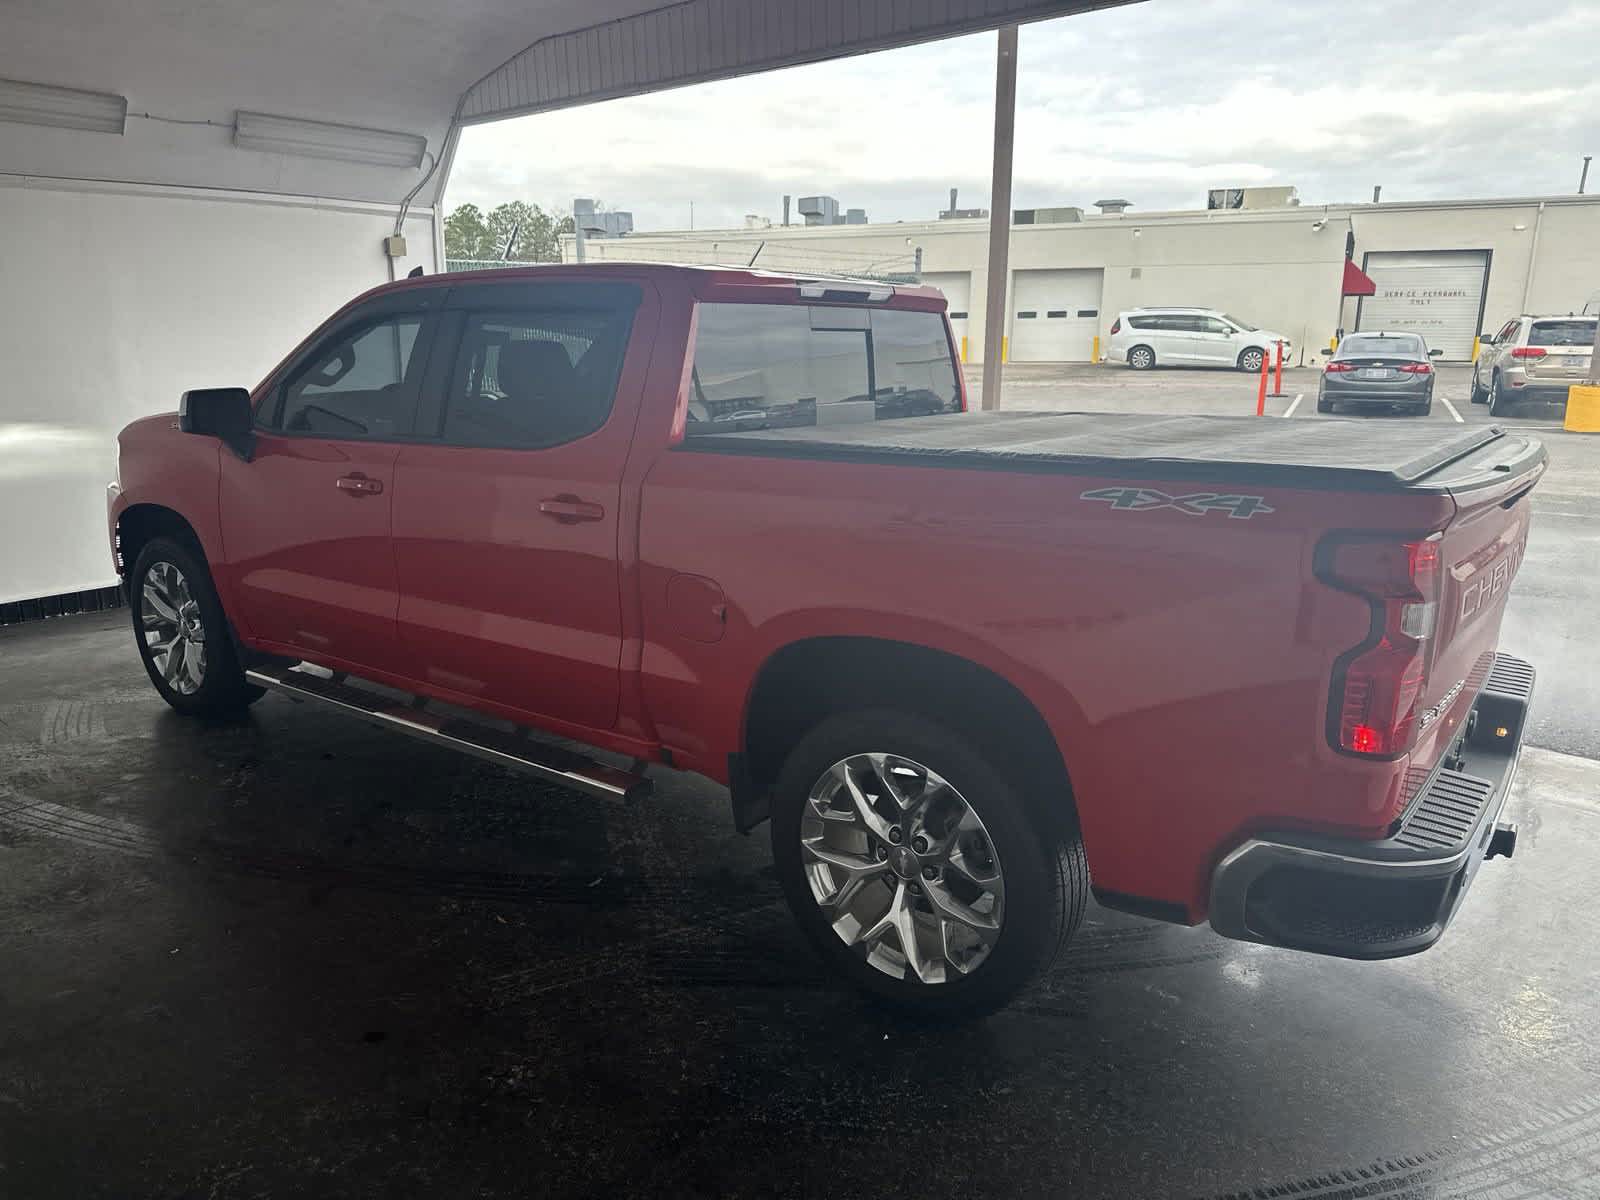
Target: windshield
column 1562, row 333
column 1244, row 325
column 1404, row 345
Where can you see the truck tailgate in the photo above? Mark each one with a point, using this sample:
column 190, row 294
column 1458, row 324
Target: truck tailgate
column 1479, row 554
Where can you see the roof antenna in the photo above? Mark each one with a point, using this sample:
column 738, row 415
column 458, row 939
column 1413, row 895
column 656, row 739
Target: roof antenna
column 414, row 273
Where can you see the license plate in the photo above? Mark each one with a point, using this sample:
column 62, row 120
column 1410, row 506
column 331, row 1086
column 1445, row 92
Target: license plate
column 1374, row 373
column 1574, row 360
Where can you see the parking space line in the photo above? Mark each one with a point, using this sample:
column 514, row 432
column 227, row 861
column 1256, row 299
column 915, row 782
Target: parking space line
column 1294, row 404
column 1446, row 401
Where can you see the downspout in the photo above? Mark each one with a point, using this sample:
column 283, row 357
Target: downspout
column 1533, row 257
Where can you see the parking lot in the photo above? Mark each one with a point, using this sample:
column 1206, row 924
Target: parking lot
column 289, row 954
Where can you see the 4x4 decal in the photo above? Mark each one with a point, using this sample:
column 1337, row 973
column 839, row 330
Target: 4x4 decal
column 1196, row 504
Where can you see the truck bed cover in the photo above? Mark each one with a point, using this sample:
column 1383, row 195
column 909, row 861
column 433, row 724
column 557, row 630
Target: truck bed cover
column 1333, row 453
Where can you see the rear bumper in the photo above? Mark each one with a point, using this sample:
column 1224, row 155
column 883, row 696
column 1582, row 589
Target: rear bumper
column 1543, row 393
column 1377, row 394
column 1384, row 899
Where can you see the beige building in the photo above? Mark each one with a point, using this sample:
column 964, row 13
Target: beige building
column 1446, row 269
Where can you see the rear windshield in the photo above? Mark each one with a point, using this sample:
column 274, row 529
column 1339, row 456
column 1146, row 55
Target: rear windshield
column 1401, row 346
column 771, row 366
column 1562, row 333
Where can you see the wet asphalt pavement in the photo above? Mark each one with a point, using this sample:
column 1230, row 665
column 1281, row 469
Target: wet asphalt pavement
column 293, row 955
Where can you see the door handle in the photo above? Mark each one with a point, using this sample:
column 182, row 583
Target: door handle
column 569, row 510
column 358, row 485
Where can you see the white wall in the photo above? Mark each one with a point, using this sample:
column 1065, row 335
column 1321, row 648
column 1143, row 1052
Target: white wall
column 1272, row 267
column 119, row 297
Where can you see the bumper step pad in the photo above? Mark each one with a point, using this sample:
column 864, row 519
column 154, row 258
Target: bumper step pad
column 1382, row 899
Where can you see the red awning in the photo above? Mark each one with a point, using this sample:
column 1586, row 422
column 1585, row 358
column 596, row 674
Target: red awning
column 1356, row 281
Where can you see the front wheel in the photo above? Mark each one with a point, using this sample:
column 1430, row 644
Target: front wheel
column 182, row 634
column 1250, row 360
column 916, row 870
column 1478, row 396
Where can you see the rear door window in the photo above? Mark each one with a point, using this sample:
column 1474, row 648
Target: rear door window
column 772, row 366
column 535, row 377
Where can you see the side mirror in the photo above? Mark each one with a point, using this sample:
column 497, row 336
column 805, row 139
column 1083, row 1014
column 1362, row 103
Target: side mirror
column 222, row 413
column 1487, row 339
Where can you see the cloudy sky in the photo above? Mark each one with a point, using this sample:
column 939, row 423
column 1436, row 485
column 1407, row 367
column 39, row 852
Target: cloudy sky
column 1153, row 103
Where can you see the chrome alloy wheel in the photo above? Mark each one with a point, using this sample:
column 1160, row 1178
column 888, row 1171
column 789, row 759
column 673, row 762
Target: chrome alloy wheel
column 902, row 867
column 174, row 634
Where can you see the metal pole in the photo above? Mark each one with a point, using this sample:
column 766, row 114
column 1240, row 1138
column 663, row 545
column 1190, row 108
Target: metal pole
column 1005, row 124
column 1583, row 178
column 577, row 232
column 1594, row 359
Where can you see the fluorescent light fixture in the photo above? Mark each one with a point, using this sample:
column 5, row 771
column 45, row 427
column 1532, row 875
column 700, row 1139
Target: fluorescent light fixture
column 68, row 108
column 319, row 139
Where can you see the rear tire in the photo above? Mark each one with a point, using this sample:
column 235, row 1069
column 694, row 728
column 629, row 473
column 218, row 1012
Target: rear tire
column 1141, row 358
column 1037, row 866
column 1251, row 358
column 1324, row 406
column 1499, row 406
column 182, row 633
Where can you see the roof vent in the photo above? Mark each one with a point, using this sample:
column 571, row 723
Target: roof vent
column 1112, row 208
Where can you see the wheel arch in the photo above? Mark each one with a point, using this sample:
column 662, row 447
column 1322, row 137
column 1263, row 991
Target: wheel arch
column 138, row 524
column 807, row 680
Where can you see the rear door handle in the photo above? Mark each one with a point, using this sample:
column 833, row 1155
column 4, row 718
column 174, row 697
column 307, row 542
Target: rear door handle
column 358, row 485
column 569, row 510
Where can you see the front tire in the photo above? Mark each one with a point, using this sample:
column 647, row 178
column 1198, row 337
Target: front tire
column 915, row 869
column 1251, row 358
column 1478, row 396
column 182, row 632
column 1141, row 358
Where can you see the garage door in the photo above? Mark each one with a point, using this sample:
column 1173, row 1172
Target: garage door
column 957, row 289
column 1054, row 315
column 1437, row 293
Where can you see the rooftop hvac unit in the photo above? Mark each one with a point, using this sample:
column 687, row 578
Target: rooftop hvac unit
column 819, row 210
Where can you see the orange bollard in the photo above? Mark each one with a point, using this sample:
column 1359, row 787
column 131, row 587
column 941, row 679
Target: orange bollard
column 1277, row 380
column 1261, row 392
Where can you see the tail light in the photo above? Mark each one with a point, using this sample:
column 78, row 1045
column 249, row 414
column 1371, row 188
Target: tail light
column 1529, row 352
column 1116, row 326
column 1418, row 368
column 1337, row 368
column 1372, row 710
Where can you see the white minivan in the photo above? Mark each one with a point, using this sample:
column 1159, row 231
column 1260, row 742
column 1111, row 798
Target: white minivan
column 1189, row 337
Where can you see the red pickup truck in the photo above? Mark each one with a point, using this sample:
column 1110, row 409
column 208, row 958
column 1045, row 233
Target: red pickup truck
column 742, row 524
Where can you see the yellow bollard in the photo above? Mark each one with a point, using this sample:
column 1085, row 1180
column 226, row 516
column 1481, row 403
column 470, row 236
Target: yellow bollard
column 1094, row 352
column 1005, row 348
column 1583, row 408
column 963, row 347
column 1474, row 349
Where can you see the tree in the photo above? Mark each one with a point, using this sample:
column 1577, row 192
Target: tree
column 516, row 231
column 466, row 234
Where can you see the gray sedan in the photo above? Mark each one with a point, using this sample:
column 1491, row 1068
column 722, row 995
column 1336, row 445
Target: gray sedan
column 1389, row 369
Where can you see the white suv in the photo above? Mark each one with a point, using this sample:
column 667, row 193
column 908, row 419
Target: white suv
column 1189, row 337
